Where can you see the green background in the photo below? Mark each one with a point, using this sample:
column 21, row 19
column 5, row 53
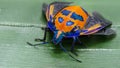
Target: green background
column 102, row 52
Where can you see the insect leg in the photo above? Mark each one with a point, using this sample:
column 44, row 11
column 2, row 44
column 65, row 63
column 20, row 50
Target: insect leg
column 81, row 43
column 68, row 53
column 44, row 38
column 36, row 44
column 79, row 40
column 73, row 45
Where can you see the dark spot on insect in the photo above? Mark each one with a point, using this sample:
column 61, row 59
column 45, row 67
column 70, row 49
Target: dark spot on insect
column 69, row 23
column 54, row 20
column 75, row 28
column 76, row 17
column 65, row 12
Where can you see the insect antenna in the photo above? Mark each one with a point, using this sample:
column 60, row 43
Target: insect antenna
column 69, row 53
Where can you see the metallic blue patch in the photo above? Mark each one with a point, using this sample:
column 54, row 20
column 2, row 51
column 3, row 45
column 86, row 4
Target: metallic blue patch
column 60, row 19
column 69, row 23
column 51, row 18
column 76, row 17
column 65, row 12
column 51, row 26
column 57, row 40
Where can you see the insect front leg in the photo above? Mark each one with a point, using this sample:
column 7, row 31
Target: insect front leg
column 45, row 34
column 39, row 40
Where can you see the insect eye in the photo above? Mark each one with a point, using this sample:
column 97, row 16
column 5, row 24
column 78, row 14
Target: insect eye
column 65, row 12
column 60, row 19
column 69, row 23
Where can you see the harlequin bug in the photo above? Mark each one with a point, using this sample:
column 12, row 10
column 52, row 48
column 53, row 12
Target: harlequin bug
column 69, row 21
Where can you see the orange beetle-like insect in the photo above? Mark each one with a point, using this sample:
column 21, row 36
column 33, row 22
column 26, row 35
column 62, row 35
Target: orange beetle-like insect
column 69, row 21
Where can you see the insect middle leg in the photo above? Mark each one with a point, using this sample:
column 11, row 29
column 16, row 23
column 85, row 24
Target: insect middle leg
column 68, row 53
column 83, row 45
column 73, row 45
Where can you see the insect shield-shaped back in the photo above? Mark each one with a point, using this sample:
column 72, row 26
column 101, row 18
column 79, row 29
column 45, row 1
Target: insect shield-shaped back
column 69, row 17
column 66, row 20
